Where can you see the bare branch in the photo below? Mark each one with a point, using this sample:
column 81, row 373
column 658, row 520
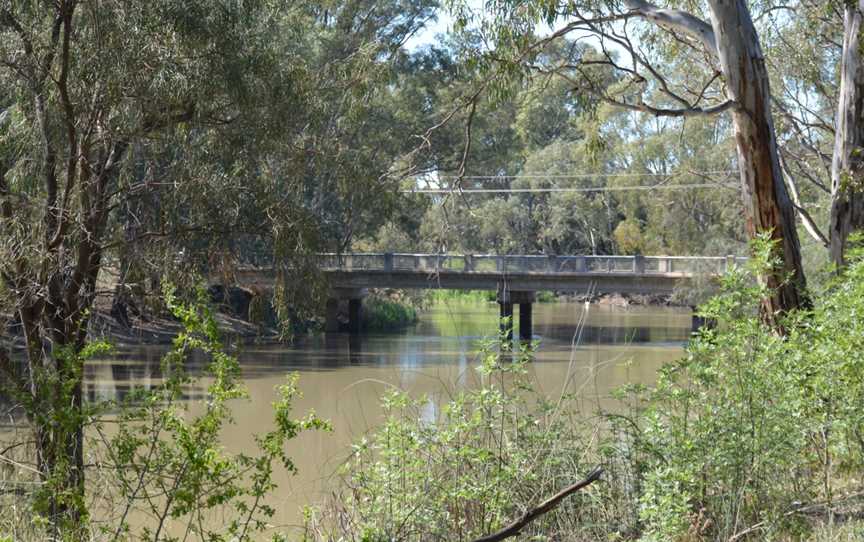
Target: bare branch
column 516, row 527
column 803, row 214
column 676, row 21
column 663, row 112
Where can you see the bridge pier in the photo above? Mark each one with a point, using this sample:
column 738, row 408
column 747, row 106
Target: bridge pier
column 354, row 296
column 526, row 332
column 354, row 311
column 506, row 322
column 525, row 300
column 331, row 316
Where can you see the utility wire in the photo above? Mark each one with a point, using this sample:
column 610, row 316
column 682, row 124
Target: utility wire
column 585, row 175
column 582, row 189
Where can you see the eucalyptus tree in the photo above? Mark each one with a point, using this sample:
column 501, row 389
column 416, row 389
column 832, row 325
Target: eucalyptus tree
column 719, row 68
column 206, row 118
column 847, row 184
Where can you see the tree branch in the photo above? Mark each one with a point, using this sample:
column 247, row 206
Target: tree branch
column 676, row 21
column 514, row 528
column 803, row 214
column 663, row 112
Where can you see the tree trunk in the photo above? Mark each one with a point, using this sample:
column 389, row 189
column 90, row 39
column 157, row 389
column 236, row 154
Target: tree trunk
column 847, row 193
column 767, row 204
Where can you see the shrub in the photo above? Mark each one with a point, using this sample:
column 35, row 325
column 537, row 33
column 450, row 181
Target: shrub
column 752, row 426
column 494, row 452
column 163, row 461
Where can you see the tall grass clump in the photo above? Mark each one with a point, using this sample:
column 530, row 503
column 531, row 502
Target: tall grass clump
column 384, row 314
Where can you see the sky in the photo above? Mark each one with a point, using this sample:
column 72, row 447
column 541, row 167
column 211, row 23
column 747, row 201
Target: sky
column 429, row 34
column 444, row 23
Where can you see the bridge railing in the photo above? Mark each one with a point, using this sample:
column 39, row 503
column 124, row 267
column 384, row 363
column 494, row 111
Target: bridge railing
column 488, row 263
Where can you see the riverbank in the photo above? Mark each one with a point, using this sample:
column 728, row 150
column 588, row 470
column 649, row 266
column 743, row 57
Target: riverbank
column 382, row 312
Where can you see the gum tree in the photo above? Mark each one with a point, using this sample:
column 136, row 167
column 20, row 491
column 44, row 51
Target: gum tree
column 671, row 62
column 847, row 192
column 204, row 112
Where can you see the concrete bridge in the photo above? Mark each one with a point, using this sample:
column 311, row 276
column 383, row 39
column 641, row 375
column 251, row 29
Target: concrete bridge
column 515, row 278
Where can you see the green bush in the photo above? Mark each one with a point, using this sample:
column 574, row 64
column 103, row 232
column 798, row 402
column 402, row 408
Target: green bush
column 753, row 425
column 491, row 453
column 480, row 296
column 163, row 460
column 468, row 296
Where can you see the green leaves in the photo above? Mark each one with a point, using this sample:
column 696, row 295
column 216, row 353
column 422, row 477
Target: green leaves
column 445, row 469
column 169, row 448
column 751, row 422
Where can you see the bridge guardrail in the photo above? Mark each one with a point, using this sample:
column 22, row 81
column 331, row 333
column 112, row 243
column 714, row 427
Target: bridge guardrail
column 490, row 263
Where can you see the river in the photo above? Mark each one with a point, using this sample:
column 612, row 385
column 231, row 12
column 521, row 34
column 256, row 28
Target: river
column 591, row 349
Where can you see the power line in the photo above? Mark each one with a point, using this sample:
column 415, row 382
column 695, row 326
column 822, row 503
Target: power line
column 584, row 175
column 584, row 189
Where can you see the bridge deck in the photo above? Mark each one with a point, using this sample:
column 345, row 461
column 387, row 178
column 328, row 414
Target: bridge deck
column 623, row 274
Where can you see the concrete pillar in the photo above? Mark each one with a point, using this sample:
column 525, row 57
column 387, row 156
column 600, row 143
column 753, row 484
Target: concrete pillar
column 388, row 261
column 355, row 349
column 525, row 325
column 506, row 312
column 354, row 308
column 639, row 264
column 525, row 300
column 331, row 316
column 581, row 264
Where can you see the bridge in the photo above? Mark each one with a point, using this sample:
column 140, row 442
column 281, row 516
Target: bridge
column 515, row 278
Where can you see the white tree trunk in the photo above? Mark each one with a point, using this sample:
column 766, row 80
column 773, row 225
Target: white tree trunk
column 766, row 201
column 847, row 192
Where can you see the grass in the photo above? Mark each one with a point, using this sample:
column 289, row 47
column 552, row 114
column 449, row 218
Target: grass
column 381, row 314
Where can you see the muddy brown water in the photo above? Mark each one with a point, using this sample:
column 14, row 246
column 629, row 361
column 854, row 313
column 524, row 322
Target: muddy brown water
column 343, row 378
